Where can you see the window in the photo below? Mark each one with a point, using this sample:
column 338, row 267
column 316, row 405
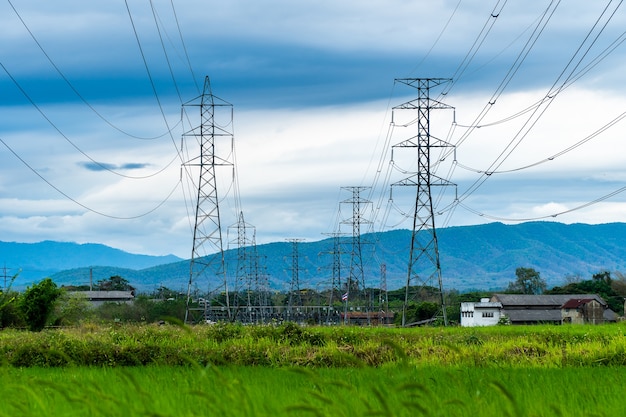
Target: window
column 487, row 314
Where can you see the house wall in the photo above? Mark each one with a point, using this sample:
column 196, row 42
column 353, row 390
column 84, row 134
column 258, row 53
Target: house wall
column 588, row 313
column 480, row 314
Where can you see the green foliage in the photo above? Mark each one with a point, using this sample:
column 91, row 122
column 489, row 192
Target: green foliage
column 142, row 309
column 416, row 312
column 601, row 284
column 37, row 303
column 10, row 314
column 71, row 308
column 528, row 282
column 114, row 283
column 340, row 346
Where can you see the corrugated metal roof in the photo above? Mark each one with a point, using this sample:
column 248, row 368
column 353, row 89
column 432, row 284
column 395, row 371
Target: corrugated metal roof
column 107, row 295
column 576, row 302
column 544, row 300
column 536, row 316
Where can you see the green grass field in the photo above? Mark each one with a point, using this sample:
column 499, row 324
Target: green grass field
column 231, row 370
column 263, row 391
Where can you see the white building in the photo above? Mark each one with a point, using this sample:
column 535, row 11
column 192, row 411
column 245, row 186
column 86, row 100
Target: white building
column 484, row 313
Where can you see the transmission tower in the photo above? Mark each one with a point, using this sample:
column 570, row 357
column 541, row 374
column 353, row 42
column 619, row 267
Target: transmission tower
column 356, row 280
column 261, row 285
column 383, row 299
column 424, row 266
column 335, row 286
column 295, row 297
column 243, row 286
column 207, row 256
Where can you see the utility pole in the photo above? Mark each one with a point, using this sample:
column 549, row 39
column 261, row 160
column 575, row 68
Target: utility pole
column 424, row 266
column 207, row 256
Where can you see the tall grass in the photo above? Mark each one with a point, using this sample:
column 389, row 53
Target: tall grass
column 261, row 391
column 288, row 345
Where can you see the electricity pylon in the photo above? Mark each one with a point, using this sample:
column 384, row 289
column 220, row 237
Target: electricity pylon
column 207, row 256
column 335, row 286
column 356, row 279
column 243, row 287
column 295, row 297
column 424, row 266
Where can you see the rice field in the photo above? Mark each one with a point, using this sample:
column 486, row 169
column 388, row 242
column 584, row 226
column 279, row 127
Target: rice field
column 231, row 370
column 263, row 391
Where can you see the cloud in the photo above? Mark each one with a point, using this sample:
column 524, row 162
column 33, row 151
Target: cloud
column 312, row 88
column 100, row 166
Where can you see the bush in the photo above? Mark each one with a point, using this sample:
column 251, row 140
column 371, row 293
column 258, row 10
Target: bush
column 37, row 303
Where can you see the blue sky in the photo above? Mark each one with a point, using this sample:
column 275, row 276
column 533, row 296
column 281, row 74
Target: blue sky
column 312, row 87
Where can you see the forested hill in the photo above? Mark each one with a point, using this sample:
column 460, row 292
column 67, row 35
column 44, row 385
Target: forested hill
column 33, row 261
column 472, row 257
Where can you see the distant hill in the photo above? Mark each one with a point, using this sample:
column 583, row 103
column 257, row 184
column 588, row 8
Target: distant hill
column 472, row 257
column 35, row 261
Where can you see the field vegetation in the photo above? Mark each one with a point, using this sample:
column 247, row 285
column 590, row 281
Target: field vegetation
column 276, row 370
column 338, row 346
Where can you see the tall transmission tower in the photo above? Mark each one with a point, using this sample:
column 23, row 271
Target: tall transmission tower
column 295, row 297
column 356, row 279
column 424, row 266
column 207, row 256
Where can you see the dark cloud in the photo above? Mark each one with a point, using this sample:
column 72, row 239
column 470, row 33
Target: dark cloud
column 102, row 166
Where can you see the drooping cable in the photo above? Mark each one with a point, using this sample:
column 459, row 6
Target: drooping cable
column 75, row 90
column 102, row 166
column 67, row 196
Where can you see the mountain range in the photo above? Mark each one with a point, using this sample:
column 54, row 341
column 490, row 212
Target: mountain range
column 472, row 257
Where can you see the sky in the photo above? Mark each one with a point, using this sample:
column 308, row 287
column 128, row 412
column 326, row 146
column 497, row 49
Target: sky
column 92, row 122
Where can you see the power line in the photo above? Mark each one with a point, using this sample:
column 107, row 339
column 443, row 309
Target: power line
column 81, row 204
column 102, row 166
column 74, row 89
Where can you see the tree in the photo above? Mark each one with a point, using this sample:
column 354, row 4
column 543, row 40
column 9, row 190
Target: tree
column 528, row 282
column 114, row 283
column 10, row 314
column 71, row 308
column 37, row 303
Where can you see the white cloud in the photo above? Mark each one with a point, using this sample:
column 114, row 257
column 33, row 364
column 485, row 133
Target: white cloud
column 334, row 64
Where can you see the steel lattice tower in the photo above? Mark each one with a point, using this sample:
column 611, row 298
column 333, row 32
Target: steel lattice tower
column 424, row 251
column 261, row 284
column 383, row 299
column 356, row 279
column 295, row 298
column 243, row 276
column 207, row 256
column 335, row 287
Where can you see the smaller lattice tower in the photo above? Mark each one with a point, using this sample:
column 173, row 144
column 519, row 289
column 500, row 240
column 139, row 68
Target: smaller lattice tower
column 242, row 294
column 335, row 292
column 355, row 284
column 295, row 296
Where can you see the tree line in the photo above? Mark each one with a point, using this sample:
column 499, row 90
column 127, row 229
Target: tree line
column 45, row 304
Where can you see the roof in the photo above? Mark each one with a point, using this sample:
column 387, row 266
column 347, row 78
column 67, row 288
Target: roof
column 533, row 315
column 544, row 300
column 106, row 295
column 576, row 302
column 491, row 304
